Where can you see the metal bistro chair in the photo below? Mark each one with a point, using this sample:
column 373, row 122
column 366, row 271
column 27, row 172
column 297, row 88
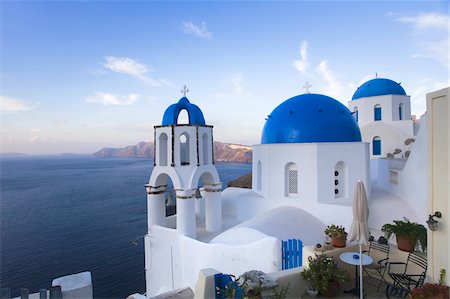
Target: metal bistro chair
column 409, row 279
column 380, row 255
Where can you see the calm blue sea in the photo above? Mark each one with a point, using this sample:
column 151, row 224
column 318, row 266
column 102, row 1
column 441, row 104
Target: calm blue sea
column 63, row 215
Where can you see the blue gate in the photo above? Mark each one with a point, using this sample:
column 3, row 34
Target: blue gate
column 291, row 253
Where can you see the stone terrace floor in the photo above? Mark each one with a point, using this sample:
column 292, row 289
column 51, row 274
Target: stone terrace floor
column 370, row 289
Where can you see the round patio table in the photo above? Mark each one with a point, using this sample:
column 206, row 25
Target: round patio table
column 353, row 258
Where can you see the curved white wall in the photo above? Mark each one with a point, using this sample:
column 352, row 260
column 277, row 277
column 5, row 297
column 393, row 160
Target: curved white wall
column 174, row 261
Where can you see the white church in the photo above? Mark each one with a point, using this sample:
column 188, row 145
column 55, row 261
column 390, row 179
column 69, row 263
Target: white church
column 313, row 151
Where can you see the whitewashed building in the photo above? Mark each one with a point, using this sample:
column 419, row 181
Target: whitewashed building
column 313, row 150
column 383, row 112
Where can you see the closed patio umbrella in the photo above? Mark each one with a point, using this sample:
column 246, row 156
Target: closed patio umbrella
column 359, row 230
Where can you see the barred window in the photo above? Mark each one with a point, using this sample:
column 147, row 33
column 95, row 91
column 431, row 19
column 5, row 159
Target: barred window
column 291, row 180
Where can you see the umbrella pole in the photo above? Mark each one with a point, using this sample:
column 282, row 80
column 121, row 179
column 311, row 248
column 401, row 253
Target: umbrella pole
column 361, row 292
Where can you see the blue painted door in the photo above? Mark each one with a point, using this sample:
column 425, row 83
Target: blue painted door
column 377, row 113
column 376, row 147
column 291, row 253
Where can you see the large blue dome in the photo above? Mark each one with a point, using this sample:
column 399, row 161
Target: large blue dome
column 171, row 114
column 310, row 118
column 378, row 87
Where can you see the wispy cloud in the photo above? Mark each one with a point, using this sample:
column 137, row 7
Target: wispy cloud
column 426, row 21
column 302, row 64
column 237, row 82
column 418, row 90
column 10, row 105
column 197, row 30
column 60, row 120
column 234, row 88
column 133, row 68
column 431, row 31
column 111, row 99
column 333, row 87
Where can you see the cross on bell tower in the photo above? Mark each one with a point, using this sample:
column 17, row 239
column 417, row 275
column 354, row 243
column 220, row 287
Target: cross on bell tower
column 184, row 90
column 306, row 87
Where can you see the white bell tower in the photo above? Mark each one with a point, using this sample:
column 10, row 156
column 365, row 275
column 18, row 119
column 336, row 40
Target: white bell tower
column 183, row 153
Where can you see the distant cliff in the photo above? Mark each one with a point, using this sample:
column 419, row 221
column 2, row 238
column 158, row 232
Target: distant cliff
column 226, row 152
column 244, row 181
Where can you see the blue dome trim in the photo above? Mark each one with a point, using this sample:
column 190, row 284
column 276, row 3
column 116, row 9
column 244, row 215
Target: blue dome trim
column 310, row 118
column 378, row 87
column 171, row 114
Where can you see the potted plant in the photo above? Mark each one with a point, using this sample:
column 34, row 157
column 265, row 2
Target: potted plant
column 324, row 276
column 430, row 291
column 408, row 234
column 337, row 234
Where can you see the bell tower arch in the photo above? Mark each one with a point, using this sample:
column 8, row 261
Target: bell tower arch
column 184, row 154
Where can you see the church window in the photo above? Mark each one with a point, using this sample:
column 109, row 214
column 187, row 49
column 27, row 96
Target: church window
column 163, row 149
column 259, row 178
column 377, row 112
column 355, row 113
column 376, row 146
column 205, row 149
column 184, row 149
column 291, row 180
column 340, row 180
column 400, row 111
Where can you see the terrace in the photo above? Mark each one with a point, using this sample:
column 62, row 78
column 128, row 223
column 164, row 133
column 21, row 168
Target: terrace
column 298, row 286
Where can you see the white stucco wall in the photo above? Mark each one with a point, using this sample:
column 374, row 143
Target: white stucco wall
column 316, row 164
column 174, row 261
column 411, row 183
column 391, row 130
column 389, row 108
column 392, row 135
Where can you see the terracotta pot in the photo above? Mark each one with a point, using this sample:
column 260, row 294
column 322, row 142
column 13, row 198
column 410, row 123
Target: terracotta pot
column 338, row 242
column 405, row 243
column 332, row 290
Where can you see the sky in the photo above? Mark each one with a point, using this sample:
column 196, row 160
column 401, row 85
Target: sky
column 77, row 76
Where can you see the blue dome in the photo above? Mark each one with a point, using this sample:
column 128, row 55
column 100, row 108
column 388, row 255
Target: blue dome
column 171, row 115
column 310, row 118
column 378, row 87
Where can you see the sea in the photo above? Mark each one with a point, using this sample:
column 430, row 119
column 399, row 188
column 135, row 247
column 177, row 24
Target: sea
column 61, row 215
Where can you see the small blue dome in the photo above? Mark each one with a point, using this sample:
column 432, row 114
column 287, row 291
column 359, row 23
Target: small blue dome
column 310, row 118
column 378, row 87
column 171, row 115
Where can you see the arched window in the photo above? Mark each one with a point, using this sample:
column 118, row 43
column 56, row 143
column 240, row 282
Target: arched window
column 205, row 149
column 340, row 180
column 376, row 146
column 355, row 113
column 291, row 179
column 400, row 111
column 184, row 149
column 162, row 149
column 377, row 112
column 259, row 177
column 183, row 117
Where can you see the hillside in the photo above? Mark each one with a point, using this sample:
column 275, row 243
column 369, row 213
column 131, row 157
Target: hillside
column 224, row 152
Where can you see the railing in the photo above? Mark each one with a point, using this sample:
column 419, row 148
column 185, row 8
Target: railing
column 53, row 293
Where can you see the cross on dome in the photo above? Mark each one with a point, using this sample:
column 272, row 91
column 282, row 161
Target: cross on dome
column 306, row 87
column 184, row 90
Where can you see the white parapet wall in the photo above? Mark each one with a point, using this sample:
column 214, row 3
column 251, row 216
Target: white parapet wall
column 174, row 261
column 290, row 279
column 75, row 286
